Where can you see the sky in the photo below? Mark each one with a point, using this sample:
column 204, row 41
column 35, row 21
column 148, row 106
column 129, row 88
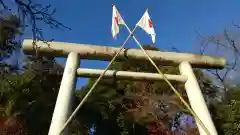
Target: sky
column 175, row 23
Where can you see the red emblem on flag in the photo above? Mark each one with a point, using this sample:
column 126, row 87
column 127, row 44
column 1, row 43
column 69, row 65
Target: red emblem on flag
column 116, row 18
column 150, row 23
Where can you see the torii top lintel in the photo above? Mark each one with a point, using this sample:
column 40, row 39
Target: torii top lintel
column 106, row 53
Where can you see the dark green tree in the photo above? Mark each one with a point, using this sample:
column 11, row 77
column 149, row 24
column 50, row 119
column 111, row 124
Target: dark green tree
column 23, row 97
column 226, row 114
column 9, row 28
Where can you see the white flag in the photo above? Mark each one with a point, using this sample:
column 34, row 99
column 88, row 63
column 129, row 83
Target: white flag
column 116, row 21
column 146, row 24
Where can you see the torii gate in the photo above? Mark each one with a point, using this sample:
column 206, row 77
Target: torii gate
column 75, row 52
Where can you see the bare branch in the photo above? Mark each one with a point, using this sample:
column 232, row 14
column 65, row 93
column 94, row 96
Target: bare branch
column 225, row 43
column 34, row 13
column 231, row 41
column 3, row 4
column 235, row 24
column 30, row 13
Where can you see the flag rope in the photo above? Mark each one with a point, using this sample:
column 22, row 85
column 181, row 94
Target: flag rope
column 96, row 82
column 170, row 84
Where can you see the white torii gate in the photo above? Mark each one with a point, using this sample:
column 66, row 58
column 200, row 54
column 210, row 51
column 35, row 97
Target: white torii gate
column 75, row 52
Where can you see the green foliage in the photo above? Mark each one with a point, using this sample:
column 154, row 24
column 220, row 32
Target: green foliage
column 29, row 97
column 226, row 114
column 9, row 28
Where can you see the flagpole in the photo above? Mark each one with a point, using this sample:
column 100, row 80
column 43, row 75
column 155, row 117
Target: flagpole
column 169, row 83
column 97, row 81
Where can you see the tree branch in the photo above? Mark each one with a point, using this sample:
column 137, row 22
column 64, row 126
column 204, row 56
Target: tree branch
column 35, row 12
column 3, row 4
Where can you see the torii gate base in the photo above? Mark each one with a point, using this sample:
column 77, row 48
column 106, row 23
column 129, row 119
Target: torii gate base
column 75, row 52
